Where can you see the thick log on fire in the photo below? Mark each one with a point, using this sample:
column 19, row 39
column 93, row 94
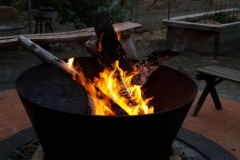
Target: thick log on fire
column 63, row 66
column 127, row 43
column 108, row 43
column 146, row 67
column 109, row 49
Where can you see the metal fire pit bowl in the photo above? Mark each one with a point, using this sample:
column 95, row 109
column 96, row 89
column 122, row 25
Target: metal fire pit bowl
column 66, row 135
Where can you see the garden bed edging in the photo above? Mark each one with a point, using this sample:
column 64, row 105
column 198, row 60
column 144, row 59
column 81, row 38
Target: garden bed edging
column 202, row 38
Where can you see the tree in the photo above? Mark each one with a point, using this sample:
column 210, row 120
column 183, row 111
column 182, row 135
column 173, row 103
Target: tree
column 80, row 12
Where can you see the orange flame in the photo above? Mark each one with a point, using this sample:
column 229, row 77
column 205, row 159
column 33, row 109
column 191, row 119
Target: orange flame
column 100, row 44
column 70, row 62
column 108, row 84
column 118, row 36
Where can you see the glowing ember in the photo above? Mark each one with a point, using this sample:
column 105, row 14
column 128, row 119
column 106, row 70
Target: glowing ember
column 118, row 36
column 108, row 83
column 70, row 62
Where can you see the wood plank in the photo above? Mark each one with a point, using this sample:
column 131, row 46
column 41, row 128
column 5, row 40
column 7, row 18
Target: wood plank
column 192, row 34
column 221, row 72
column 64, row 37
column 197, row 46
column 44, row 14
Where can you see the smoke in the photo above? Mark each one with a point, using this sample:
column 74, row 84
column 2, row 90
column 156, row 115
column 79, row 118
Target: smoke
column 178, row 44
column 176, row 40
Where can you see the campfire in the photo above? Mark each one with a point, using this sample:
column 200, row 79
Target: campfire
column 127, row 104
column 117, row 89
column 108, row 84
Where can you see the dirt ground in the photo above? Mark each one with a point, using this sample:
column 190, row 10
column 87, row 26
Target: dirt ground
column 14, row 61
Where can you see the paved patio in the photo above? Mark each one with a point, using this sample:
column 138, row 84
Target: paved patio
column 220, row 126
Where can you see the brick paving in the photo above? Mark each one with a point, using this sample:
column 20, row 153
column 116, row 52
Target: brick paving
column 220, row 126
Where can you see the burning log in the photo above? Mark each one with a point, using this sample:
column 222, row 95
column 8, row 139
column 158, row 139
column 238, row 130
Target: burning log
column 63, row 66
column 92, row 47
column 128, row 46
column 106, row 47
column 111, row 50
column 109, row 46
column 147, row 66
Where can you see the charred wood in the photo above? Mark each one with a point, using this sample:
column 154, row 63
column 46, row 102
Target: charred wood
column 112, row 105
column 92, row 45
column 147, row 66
column 144, row 67
column 110, row 47
column 128, row 46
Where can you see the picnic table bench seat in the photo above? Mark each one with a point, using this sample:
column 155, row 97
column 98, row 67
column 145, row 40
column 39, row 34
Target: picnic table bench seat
column 65, row 37
column 213, row 75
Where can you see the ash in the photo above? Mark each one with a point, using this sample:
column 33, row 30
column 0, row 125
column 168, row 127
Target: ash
column 33, row 151
column 25, row 152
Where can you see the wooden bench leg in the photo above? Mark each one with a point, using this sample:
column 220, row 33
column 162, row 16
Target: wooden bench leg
column 41, row 27
column 215, row 98
column 46, row 28
column 36, row 27
column 210, row 88
column 201, row 101
column 50, row 27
